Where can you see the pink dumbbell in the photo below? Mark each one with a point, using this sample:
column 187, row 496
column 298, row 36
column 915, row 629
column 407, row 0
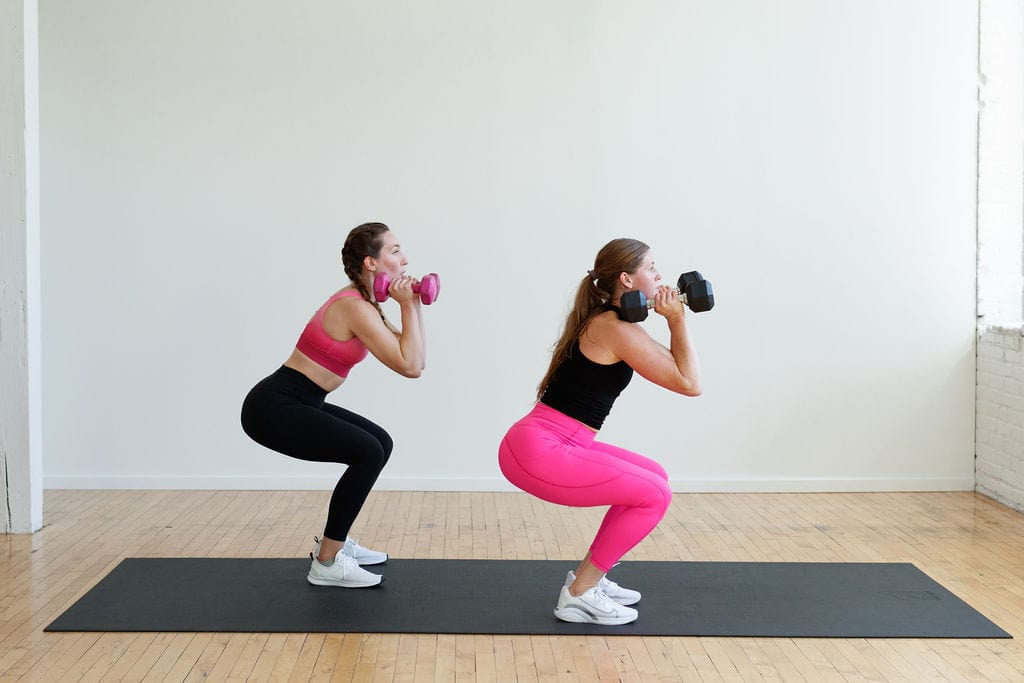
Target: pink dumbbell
column 428, row 288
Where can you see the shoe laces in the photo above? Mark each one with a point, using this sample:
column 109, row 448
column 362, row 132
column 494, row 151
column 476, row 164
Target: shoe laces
column 601, row 599
column 347, row 563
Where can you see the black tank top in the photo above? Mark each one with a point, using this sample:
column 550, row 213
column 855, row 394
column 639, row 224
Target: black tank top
column 585, row 390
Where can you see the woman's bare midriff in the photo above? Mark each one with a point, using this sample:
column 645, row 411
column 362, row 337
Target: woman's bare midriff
column 318, row 374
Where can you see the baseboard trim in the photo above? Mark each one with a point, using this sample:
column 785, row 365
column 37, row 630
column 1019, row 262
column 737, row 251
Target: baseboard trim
column 499, row 484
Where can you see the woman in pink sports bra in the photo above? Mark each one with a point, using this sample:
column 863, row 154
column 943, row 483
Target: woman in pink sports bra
column 553, row 453
column 287, row 411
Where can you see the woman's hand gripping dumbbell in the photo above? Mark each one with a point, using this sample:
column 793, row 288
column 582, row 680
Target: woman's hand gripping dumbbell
column 428, row 287
column 692, row 289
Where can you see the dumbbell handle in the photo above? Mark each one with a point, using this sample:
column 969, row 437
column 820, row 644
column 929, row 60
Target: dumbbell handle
column 681, row 295
column 702, row 299
column 428, row 288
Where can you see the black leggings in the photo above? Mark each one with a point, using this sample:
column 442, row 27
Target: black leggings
column 286, row 412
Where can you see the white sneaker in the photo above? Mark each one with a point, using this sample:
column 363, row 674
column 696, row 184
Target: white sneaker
column 364, row 556
column 623, row 596
column 593, row 607
column 345, row 572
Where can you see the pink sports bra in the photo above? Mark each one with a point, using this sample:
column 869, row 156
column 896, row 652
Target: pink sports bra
column 336, row 356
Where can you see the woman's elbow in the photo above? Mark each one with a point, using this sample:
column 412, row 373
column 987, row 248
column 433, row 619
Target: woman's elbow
column 413, row 372
column 689, row 388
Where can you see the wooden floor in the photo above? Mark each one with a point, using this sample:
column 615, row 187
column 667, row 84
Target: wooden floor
column 968, row 543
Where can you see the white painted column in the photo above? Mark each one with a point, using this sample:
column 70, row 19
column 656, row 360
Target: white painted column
column 1000, row 162
column 999, row 420
column 21, row 462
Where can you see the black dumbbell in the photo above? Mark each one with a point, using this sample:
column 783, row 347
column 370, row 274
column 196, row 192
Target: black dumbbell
column 692, row 288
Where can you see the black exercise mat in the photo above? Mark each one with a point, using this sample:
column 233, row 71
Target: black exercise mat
column 784, row 599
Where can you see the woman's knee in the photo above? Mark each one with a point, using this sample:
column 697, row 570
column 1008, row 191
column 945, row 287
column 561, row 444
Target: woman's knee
column 657, row 495
column 666, row 491
column 383, row 440
column 375, row 445
column 386, row 445
column 376, row 457
column 660, row 471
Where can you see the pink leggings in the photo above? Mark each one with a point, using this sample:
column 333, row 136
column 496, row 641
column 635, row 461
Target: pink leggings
column 554, row 457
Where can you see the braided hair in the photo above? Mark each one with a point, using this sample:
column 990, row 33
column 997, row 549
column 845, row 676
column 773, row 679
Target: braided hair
column 622, row 255
column 364, row 240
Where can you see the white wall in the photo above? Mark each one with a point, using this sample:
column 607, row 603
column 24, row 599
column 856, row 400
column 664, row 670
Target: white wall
column 203, row 161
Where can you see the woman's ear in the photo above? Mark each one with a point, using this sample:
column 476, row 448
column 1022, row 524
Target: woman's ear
column 626, row 280
column 369, row 264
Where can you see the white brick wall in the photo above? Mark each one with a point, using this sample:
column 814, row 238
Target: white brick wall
column 999, row 440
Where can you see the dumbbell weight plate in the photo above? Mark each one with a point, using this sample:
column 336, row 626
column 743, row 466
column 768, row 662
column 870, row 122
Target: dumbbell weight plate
column 633, row 306
column 700, row 296
column 429, row 288
column 381, row 282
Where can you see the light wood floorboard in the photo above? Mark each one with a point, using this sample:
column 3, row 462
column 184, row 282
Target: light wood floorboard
column 968, row 543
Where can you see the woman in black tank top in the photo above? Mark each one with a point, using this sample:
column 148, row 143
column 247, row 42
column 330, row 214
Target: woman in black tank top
column 553, row 453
